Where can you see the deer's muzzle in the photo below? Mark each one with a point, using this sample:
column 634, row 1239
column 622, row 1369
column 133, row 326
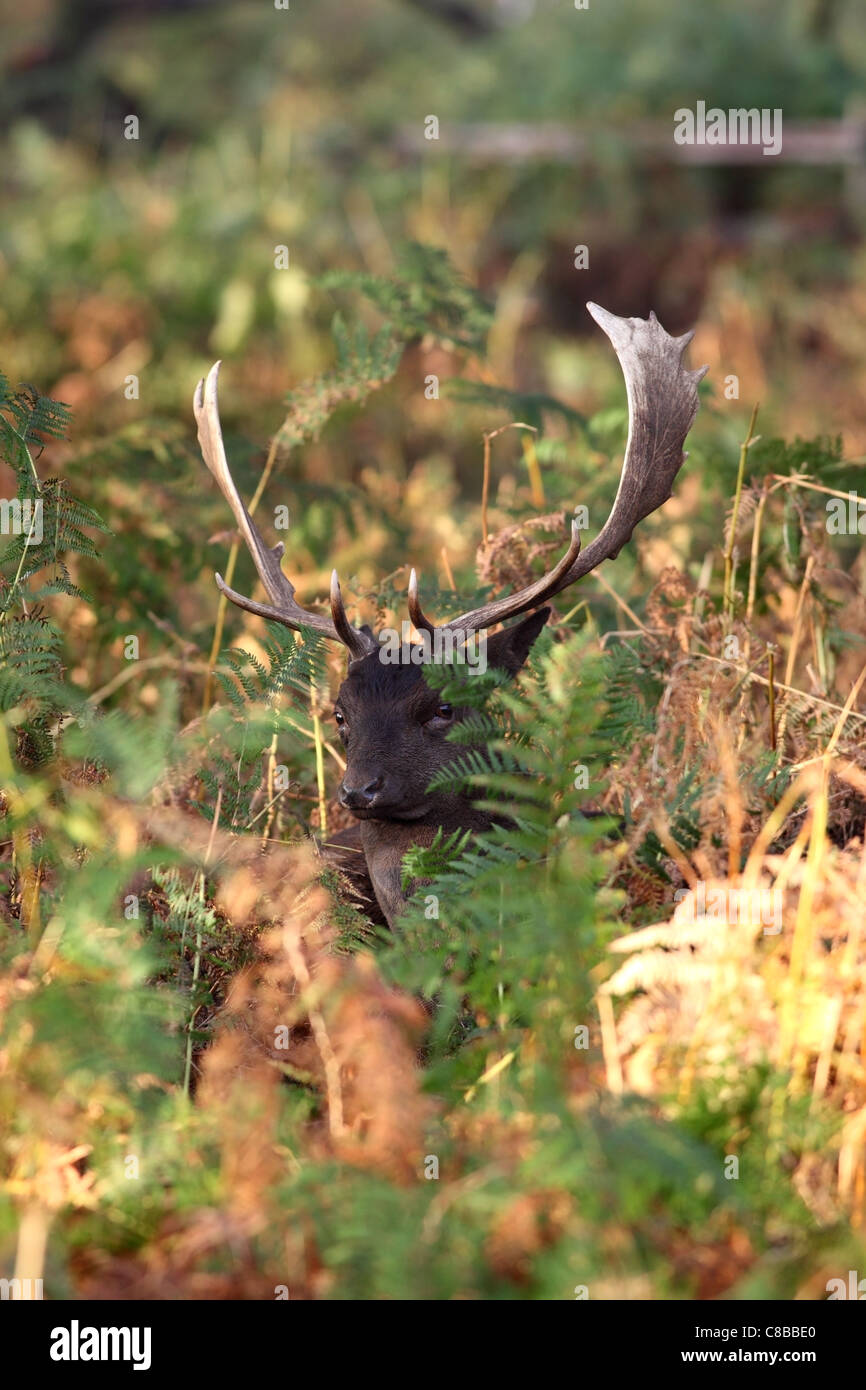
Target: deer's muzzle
column 360, row 798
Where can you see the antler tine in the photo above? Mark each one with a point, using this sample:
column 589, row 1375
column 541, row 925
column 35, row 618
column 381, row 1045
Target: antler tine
column 358, row 642
column 662, row 404
column 422, row 623
column 283, row 608
column 531, row 597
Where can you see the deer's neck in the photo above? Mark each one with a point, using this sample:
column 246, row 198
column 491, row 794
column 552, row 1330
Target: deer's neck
column 385, row 842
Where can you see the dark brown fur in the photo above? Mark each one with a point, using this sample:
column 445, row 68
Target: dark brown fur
column 395, row 743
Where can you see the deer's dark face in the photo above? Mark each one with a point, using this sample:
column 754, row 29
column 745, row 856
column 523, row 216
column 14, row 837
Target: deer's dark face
column 395, row 728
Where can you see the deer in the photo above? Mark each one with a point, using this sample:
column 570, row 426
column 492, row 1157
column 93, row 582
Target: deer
column 396, row 730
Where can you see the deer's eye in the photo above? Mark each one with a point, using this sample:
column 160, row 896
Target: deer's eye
column 340, row 719
column 444, row 715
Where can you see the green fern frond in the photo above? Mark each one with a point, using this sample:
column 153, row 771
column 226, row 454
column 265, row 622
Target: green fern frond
column 426, row 296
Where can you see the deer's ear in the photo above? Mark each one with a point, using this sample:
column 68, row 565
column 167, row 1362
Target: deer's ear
column 510, row 648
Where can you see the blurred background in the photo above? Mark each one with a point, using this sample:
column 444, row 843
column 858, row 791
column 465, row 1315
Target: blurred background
column 305, row 127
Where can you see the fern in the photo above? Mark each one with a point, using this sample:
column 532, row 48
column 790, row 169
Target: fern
column 364, row 363
column 62, row 518
column 632, row 693
column 514, row 917
column 48, row 525
column 428, row 861
column 290, row 665
column 427, row 296
column 246, row 733
column 27, row 418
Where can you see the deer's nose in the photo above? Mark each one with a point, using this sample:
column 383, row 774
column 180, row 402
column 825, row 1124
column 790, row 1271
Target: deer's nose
column 359, row 798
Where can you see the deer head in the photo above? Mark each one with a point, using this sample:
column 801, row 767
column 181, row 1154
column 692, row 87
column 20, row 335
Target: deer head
column 393, row 725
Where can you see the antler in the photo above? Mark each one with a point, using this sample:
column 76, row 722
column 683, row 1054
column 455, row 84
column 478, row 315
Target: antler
column 280, row 590
column 662, row 404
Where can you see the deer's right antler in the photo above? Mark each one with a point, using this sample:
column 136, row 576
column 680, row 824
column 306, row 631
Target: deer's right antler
column 662, row 404
column 283, row 608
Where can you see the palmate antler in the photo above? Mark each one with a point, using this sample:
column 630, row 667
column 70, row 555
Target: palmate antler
column 662, row 404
